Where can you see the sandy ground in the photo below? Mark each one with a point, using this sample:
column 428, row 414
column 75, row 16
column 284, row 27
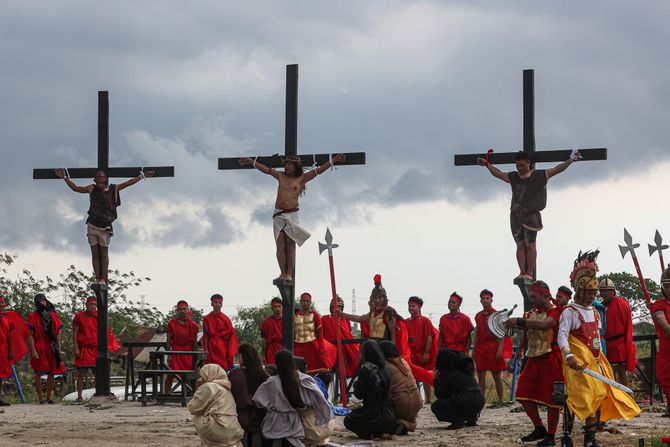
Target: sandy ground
column 128, row 423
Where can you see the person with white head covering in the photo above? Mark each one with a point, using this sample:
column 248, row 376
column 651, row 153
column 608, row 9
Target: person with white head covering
column 213, row 409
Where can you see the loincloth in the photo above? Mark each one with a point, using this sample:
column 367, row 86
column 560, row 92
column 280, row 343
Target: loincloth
column 288, row 221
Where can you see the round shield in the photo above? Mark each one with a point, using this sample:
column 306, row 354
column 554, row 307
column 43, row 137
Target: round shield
column 496, row 323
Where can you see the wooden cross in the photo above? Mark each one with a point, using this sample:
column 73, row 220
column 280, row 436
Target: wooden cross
column 102, row 362
column 556, row 155
column 287, row 288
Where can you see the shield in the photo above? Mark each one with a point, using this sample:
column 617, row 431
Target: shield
column 496, row 322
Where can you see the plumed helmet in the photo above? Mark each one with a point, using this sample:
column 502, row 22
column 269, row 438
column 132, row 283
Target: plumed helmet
column 607, row 284
column 583, row 276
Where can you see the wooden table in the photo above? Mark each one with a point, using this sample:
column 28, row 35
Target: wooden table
column 130, row 367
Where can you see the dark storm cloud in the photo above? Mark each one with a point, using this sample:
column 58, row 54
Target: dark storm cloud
column 409, row 83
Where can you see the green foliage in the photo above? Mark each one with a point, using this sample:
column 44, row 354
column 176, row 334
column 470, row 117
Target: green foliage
column 125, row 314
column 248, row 321
column 628, row 287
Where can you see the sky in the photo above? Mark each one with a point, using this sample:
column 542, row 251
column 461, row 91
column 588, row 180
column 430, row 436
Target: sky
column 409, row 83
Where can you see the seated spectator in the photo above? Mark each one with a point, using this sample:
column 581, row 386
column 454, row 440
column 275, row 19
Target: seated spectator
column 459, row 397
column 213, row 409
column 404, row 392
column 245, row 381
column 371, row 384
column 287, row 395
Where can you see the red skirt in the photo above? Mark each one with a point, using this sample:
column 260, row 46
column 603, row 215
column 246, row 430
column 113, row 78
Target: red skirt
column 181, row 362
column 317, row 358
column 536, row 382
column 270, row 351
column 485, row 358
column 87, row 355
column 663, row 371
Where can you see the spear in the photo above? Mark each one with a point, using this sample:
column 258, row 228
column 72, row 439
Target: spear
column 340, row 359
column 659, row 247
column 630, row 247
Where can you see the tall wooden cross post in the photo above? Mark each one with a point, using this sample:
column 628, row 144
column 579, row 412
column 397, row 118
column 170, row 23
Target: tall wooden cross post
column 102, row 362
column 543, row 156
column 287, row 288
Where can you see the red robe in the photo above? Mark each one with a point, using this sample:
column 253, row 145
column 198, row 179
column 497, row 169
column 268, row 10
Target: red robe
column 87, row 339
column 663, row 353
column 418, row 331
column 182, row 338
column 454, row 330
column 5, row 364
column 20, row 332
column 486, row 346
column 318, row 355
column 619, row 334
column 271, row 332
column 365, row 330
column 46, row 363
column 350, row 352
column 222, row 340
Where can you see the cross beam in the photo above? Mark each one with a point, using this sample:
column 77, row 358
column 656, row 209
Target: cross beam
column 543, row 156
column 103, row 154
column 287, row 288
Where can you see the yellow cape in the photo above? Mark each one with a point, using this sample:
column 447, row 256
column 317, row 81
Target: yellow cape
column 587, row 394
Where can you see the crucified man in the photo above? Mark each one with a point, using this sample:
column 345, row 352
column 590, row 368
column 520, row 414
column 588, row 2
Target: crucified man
column 287, row 229
column 104, row 199
column 529, row 197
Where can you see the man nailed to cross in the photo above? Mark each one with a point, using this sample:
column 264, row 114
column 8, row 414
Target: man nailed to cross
column 287, row 229
column 529, row 198
column 104, row 199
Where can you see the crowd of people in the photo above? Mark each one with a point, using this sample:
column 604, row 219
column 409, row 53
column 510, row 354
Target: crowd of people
column 276, row 394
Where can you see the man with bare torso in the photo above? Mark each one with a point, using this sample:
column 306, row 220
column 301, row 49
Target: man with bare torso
column 104, row 199
column 287, row 229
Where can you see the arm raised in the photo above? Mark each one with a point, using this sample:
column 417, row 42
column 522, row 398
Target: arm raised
column 246, row 161
column 497, row 173
column 311, row 175
column 60, row 173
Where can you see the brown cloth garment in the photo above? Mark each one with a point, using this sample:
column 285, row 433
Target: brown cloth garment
column 404, row 392
column 248, row 415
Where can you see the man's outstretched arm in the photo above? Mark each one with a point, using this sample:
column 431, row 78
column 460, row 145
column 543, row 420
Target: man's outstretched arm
column 493, row 170
column 246, row 161
column 340, row 158
column 60, row 173
column 134, row 180
column 575, row 156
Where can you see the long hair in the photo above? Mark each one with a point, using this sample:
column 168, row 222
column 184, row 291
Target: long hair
column 288, row 375
column 256, row 375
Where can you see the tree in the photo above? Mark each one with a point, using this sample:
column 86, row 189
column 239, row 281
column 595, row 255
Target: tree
column 628, row 287
column 125, row 314
column 248, row 321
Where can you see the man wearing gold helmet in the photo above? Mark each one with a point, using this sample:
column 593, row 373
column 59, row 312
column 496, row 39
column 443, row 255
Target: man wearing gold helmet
column 660, row 311
column 579, row 340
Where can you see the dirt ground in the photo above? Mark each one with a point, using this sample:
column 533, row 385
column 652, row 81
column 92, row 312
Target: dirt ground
column 127, row 423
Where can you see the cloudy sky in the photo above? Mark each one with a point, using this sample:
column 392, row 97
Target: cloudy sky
column 410, row 83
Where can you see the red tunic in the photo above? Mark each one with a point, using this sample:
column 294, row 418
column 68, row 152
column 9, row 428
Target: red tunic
column 454, row 331
column 318, row 354
column 536, row 382
column 271, row 332
column 87, row 339
column 222, row 340
column 365, row 330
column 418, row 331
column 20, row 332
column 486, row 346
column 183, row 336
column 350, row 352
column 663, row 353
column 46, row 363
column 619, row 334
column 5, row 364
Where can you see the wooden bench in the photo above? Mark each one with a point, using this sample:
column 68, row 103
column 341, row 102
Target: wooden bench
column 185, row 378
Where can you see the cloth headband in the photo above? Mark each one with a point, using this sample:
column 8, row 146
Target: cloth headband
column 91, row 300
